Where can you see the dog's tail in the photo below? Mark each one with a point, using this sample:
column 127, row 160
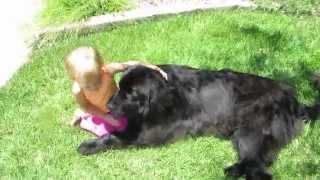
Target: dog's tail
column 312, row 113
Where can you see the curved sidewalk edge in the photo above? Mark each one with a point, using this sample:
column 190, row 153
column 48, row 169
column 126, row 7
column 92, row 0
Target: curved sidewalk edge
column 97, row 23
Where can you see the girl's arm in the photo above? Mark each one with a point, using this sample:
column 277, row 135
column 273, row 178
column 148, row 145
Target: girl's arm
column 113, row 68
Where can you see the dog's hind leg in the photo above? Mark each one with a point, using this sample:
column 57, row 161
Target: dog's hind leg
column 94, row 146
column 249, row 145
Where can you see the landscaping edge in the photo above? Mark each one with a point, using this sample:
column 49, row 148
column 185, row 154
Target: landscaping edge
column 101, row 22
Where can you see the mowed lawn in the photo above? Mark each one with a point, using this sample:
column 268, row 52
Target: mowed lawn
column 36, row 106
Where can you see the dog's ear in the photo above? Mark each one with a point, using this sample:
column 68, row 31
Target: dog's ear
column 155, row 94
column 161, row 99
column 145, row 108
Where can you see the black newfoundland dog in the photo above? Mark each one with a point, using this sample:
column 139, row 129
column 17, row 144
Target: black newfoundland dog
column 257, row 114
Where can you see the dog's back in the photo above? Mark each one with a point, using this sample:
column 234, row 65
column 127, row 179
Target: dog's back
column 228, row 100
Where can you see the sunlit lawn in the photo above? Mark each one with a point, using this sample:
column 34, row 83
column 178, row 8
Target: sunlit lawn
column 36, row 105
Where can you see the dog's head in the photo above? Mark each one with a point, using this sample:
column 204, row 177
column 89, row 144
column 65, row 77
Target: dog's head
column 141, row 89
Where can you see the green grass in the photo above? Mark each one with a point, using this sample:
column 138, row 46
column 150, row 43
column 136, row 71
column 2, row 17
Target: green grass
column 60, row 11
column 298, row 7
column 37, row 143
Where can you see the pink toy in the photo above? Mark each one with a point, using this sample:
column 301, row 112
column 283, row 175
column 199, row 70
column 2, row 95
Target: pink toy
column 101, row 127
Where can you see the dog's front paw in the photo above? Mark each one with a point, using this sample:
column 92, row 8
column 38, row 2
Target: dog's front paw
column 234, row 171
column 91, row 147
column 259, row 175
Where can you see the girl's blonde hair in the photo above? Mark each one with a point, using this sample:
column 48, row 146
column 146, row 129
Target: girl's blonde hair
column 83, row 61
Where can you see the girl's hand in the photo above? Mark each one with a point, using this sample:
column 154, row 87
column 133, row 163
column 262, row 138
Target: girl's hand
column 78, row 114
column 163, row 74
column 113, row 68
column 151, row 66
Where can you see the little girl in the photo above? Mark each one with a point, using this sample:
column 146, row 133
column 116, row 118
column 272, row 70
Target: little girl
column 93, row 86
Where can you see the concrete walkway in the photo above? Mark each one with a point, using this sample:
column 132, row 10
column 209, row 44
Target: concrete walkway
column 16, row 17
column 146, row 9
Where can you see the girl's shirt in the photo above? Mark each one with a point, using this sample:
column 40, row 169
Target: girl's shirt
column 101, row 96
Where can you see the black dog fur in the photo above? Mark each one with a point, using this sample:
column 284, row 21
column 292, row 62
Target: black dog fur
column 257, row 114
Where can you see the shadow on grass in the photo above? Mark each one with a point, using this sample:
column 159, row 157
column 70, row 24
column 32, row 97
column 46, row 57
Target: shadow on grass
column 273, row 39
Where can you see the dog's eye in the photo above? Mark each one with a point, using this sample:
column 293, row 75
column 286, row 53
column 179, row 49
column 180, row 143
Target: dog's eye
column 127, row 89
column 123, row 95
column 133, row 93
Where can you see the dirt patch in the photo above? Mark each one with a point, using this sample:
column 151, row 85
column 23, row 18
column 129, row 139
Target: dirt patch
column 156, row 3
